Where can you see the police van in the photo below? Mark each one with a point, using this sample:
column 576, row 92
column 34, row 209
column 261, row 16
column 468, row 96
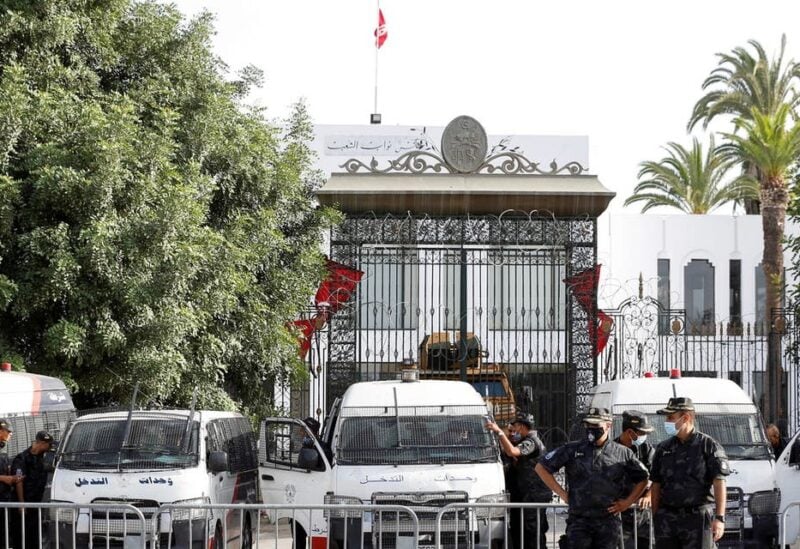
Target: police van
column 787, row 500
column 723, row 411
column 422, row 444
column 149, row 458
column 32, row 403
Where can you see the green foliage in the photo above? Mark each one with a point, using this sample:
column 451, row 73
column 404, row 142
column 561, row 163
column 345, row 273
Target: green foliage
column 690, row 180
column 152, row 227
column 744, row 81
column 769, row 141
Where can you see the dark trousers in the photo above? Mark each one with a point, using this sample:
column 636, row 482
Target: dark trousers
column 641, row 538
column 594, row 533
column 30, row 526
column 684, row 529
column 6, row 516
column 523, row 522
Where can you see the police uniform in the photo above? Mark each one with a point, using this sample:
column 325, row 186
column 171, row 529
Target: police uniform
column 597, row 476
column 6, row 494
column 525, row 486
column 685, row 471
column 33, row 486
column 644, row 452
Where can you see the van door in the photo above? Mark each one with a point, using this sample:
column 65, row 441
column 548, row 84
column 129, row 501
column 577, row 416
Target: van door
column 787, row 477
column 290, row 474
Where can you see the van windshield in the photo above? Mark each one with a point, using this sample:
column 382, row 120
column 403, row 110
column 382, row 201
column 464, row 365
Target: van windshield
column 740, row 434
column 154, row 443
column 415, row 439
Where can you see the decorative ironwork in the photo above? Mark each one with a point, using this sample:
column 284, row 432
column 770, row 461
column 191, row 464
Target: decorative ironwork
column 419, row 162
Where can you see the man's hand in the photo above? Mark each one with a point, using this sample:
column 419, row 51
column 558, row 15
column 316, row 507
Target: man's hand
column 717, row 529
column 619, row 506
column 644, row 501
column 492, row 426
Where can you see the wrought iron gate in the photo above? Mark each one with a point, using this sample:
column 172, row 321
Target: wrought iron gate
column 478, row 294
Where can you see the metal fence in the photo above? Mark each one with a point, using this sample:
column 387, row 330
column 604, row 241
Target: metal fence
column 389, row 523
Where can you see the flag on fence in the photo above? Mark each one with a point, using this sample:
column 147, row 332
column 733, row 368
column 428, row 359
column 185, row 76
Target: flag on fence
column 380, row 32
column 584, row 288
column 337, row 287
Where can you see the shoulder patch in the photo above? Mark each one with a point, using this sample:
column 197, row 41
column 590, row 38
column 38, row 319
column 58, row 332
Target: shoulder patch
column 550, row 454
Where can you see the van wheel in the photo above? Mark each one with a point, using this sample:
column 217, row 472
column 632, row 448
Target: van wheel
column 299, row 536
column 247, row 534
column 219, row 543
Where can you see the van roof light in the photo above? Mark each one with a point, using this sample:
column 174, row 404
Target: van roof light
column 648, row 375
column 674, row 373
column 5, row 367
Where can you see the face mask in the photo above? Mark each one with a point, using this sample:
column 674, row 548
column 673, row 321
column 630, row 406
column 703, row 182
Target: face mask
column 670, row 428
column 639, row 441
column 515, row 437
column 594, row 433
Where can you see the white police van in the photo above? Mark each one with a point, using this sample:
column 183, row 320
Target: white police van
column 149, row 458
column 723, row 411
column 422, row 444
column 787, row 475
column 32, row 403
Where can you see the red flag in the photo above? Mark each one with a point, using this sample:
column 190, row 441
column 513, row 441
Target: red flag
column 337, row 287
column 380, row 32
column 584, row 288
column 306, row 328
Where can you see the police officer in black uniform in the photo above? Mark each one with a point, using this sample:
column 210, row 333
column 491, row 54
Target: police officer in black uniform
column 31, row 489
column 524, row 448
column 8, row 481
column 598, row 471
column 635, row 429
column 685, row 468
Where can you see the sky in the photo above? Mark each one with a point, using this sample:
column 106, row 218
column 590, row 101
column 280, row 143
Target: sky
column 626, row 74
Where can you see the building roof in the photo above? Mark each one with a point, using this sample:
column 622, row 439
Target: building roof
column 455, row 194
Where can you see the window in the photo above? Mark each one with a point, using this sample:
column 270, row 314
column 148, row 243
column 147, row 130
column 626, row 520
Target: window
column 698, row 295
column 389, row 291
column 663, row 295
column 526, row 297
column 735, row 295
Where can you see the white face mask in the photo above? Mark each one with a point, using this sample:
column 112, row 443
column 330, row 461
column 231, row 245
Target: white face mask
column 670, row 428
column 639, row 441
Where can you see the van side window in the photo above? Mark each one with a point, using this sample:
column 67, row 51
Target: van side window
column 235, row 437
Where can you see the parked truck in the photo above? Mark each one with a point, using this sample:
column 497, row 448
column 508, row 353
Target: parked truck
column 422, row 444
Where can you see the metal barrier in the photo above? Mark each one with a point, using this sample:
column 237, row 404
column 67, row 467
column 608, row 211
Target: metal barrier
column 194, row 527
column 782, row 523
column 476, row 512
column 70, row 525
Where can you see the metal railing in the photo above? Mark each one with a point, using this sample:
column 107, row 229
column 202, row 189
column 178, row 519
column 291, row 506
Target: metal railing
column 70, row 525
column 782, row 523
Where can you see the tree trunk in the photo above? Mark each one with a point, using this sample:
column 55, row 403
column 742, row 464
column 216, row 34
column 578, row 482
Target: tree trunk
column 774, row 201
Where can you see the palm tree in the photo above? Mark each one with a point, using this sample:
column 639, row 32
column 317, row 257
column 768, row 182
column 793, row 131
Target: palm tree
column 771, row 143
column 743, row 81
column 690, row 180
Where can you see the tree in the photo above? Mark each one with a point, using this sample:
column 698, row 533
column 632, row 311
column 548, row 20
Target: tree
column 771, row 143
column 152, row 227
column 690, row 180
column 744, row 81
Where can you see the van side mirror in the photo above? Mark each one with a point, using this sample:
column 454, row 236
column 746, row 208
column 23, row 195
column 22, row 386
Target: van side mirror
column 794, row 453
column 308, row 458
column 217, row 462
column 49, row 462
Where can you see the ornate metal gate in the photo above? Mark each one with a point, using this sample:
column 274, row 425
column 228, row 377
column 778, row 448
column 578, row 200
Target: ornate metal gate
column 494, row 283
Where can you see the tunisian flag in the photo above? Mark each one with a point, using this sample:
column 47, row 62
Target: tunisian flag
column 380, row 31
column 333, row 293
column 584, row 288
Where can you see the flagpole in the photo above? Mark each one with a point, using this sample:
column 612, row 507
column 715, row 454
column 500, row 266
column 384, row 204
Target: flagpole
column 377, row 41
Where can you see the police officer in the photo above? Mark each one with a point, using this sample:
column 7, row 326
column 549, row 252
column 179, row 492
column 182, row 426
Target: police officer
column 524, row 448
column 685, row 468
column 598, row 471
column 635, row 429
column 8, row 481
column 31, row 463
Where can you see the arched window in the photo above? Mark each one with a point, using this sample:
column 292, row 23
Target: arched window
column 698, row 292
